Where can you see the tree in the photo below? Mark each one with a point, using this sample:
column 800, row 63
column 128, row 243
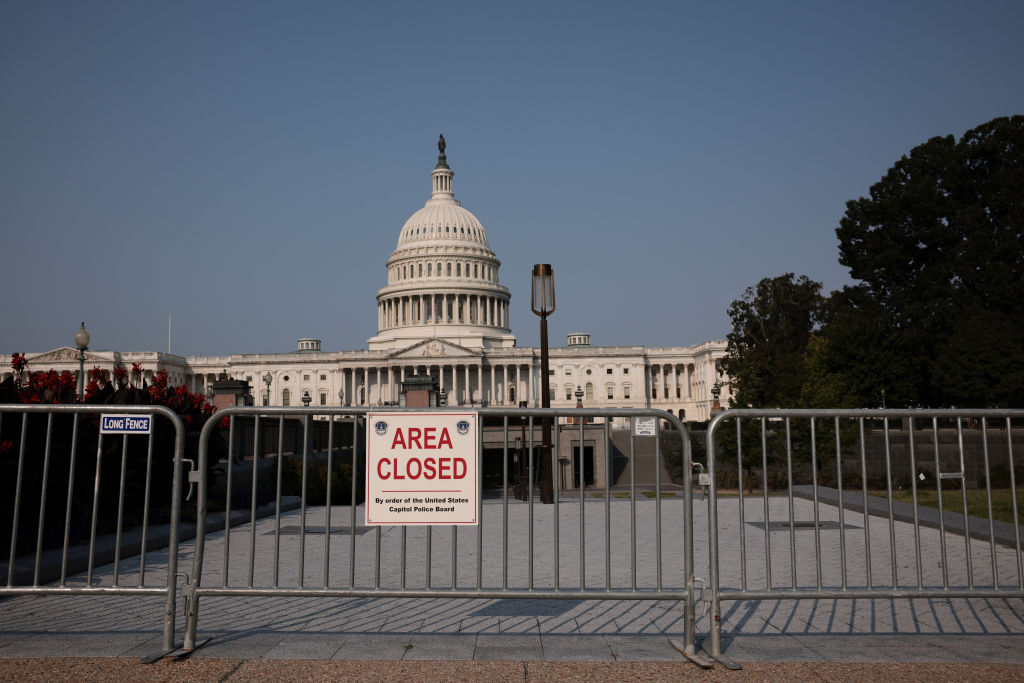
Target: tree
column 771, row 326
column 938, row 248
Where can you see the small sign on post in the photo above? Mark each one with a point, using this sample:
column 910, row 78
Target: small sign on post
column 422, row 468
column 126, row 424
column 645, row 426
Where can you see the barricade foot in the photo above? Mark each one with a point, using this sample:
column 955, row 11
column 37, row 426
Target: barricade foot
column 697, row 659
column 181, row 653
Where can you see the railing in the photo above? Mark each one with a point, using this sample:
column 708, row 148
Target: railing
column 609, row 540
column 42, row 462
column 774, row 547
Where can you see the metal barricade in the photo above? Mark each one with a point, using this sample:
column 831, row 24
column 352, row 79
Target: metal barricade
column 783, row 545
column 42, row 462
column 594, row 541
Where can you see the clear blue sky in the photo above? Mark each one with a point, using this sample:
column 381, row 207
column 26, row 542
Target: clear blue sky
column 246, row 166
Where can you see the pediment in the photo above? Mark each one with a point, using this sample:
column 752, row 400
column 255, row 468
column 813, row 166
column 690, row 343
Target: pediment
column 435, row 348
column 65, row 354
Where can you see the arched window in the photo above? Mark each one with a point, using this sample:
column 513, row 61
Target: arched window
column 458, row 270
column 449, row 270
column 421, row 270
column 286, row 397
column 428, row 269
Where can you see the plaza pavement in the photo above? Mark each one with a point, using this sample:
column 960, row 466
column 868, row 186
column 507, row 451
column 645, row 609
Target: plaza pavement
column 966, row 633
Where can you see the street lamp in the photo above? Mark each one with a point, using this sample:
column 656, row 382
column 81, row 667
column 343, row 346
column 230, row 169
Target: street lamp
column 444, row 397
column 341, row 397
column 306, row 398
column 82, row 342
column 542, row 303
column 267, row 379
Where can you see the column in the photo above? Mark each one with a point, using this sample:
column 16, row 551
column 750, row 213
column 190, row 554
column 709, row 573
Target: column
column 494, row 396
column 469, row 390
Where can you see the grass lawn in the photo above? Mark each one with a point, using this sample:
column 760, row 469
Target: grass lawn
column 977, row 502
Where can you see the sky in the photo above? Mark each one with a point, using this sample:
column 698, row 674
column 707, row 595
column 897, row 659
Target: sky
column 244, row 167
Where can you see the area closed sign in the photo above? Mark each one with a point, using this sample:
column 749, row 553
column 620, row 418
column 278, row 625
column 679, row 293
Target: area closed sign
column 422, row 468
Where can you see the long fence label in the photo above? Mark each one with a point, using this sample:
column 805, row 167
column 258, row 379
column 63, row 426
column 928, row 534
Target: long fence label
column 126, row 424
column 422, row 468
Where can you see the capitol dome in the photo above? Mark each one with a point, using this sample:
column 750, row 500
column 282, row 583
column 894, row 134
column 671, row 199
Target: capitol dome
column 442, row 277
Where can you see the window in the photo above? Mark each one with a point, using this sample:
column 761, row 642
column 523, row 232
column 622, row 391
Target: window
column 475, row 267
column 588, row 371
column 286, row 397
column 323, row 398
column 654, row 392
column 428, row 269
column 248, row 378
column 679, row 392
column 568, row 371
column 323, row 377
column 608, row 371
column 568, row 392
column 421, row 270
column 589, row 391
column 551, row 372
column 625, row 371
column 285, row 378
column 625, row 391
column 551, row 393
column 305, row 378
column 611, row 391
column 449, row 270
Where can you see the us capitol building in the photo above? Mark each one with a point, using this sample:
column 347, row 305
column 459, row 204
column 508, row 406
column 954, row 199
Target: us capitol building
column 443, row 313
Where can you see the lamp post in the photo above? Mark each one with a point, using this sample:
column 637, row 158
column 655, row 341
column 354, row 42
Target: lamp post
column 82, row 342
column 306, row 398
column 444, row 397
column 267, row 379
column 341, row 397
column 542, row 303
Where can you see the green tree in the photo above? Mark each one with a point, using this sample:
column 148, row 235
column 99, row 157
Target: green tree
column 771, row 325
column 938, row 248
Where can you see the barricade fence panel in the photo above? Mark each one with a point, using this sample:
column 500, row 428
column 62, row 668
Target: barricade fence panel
column 808, row 504
column 612, row 525
column 90, row 498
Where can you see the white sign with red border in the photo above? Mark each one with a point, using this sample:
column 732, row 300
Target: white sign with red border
column 422, row 468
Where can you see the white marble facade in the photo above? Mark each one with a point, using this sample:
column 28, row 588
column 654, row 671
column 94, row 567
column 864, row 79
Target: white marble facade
column 444, row 312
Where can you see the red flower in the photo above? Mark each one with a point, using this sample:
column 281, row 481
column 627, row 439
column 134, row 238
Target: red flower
column 18, row 361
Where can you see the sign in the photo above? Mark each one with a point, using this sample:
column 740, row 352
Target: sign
column 126, row 424
column 645, row 426
column 422, row 468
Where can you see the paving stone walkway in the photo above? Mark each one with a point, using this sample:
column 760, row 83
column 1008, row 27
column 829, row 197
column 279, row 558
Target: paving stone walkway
column 412, row 629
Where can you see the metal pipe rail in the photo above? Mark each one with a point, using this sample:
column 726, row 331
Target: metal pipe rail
column 903, row 444
column 426, row 561
column 93, row 586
